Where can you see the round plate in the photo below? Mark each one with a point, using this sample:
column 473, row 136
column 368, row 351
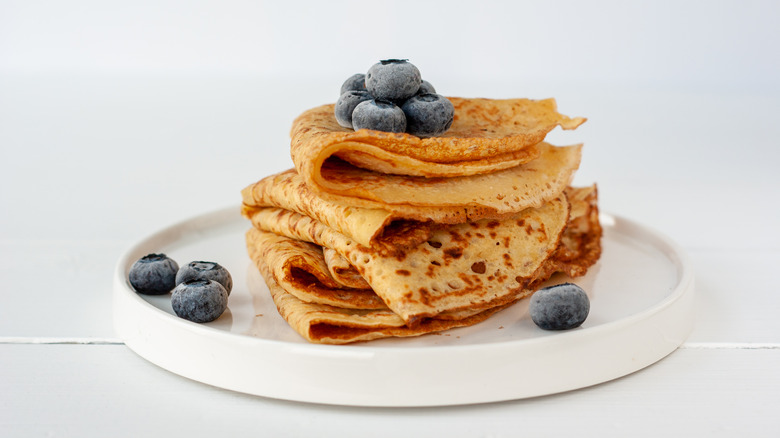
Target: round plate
column 641, row 294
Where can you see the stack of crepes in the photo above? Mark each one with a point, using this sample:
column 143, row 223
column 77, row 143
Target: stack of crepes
column 376, row 234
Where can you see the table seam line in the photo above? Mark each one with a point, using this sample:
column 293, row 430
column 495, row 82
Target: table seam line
column 21, row 340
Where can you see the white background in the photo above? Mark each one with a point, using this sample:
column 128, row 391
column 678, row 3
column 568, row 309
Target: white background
column 662, row 43
column 152, row 95
column 120, row 118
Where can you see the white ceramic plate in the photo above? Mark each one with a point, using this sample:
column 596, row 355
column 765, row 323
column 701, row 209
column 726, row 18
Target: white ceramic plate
column 641, row 294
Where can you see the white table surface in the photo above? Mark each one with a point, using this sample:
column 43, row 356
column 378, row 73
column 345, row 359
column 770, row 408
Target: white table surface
column 92, row 164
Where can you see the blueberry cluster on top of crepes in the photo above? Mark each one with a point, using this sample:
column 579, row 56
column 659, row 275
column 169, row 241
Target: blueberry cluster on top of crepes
column 376, row 234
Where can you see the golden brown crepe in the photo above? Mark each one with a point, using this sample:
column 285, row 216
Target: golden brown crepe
column 376, row 223
column 580, row 246
column 485, row 133
column 344, row 273
column 302, row 271
column 402, row 173
column 376, row 234
column 489, row 194
column 336, row 324
column 461, row 266
column 321, row 323
column 372, row 227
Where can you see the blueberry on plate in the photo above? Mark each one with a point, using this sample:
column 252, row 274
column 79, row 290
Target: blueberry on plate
column 428, row 115
column 393, row 79
column 153, row 274
column 378, row 115
column 560, row 307
column 346, row 104
column 199, row 300
column 205, row 271
column 356, row 82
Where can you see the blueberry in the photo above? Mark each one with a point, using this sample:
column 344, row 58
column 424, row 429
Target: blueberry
column 205, row 271
column 346, row 105
column 560, row 307
column 153, row 274
column 428, row 115
column 378, row 115
column 356, row 82
column 426, row 88
column 199, row 300
column 393, row 79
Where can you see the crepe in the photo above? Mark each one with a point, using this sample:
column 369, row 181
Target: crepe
column 484, row 152
column 321, row 323
column 461, row 266
column 376, row 234
column 454, row 199
column 371, row 227
column 484, row 133
column 374, row 223
column 580, row 245
column 300, row 268
column 342, row 272
column 501, row 192
column 334, row 324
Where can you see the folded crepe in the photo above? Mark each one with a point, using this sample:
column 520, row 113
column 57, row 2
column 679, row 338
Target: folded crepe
column 477, row 165
column 372, row 227
column 342, row 272
column 319, row 320
column 580, row 245
column 321, row 323
column 391, row 226
column 377, row 234
column 461, row 266
column 300, row 268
